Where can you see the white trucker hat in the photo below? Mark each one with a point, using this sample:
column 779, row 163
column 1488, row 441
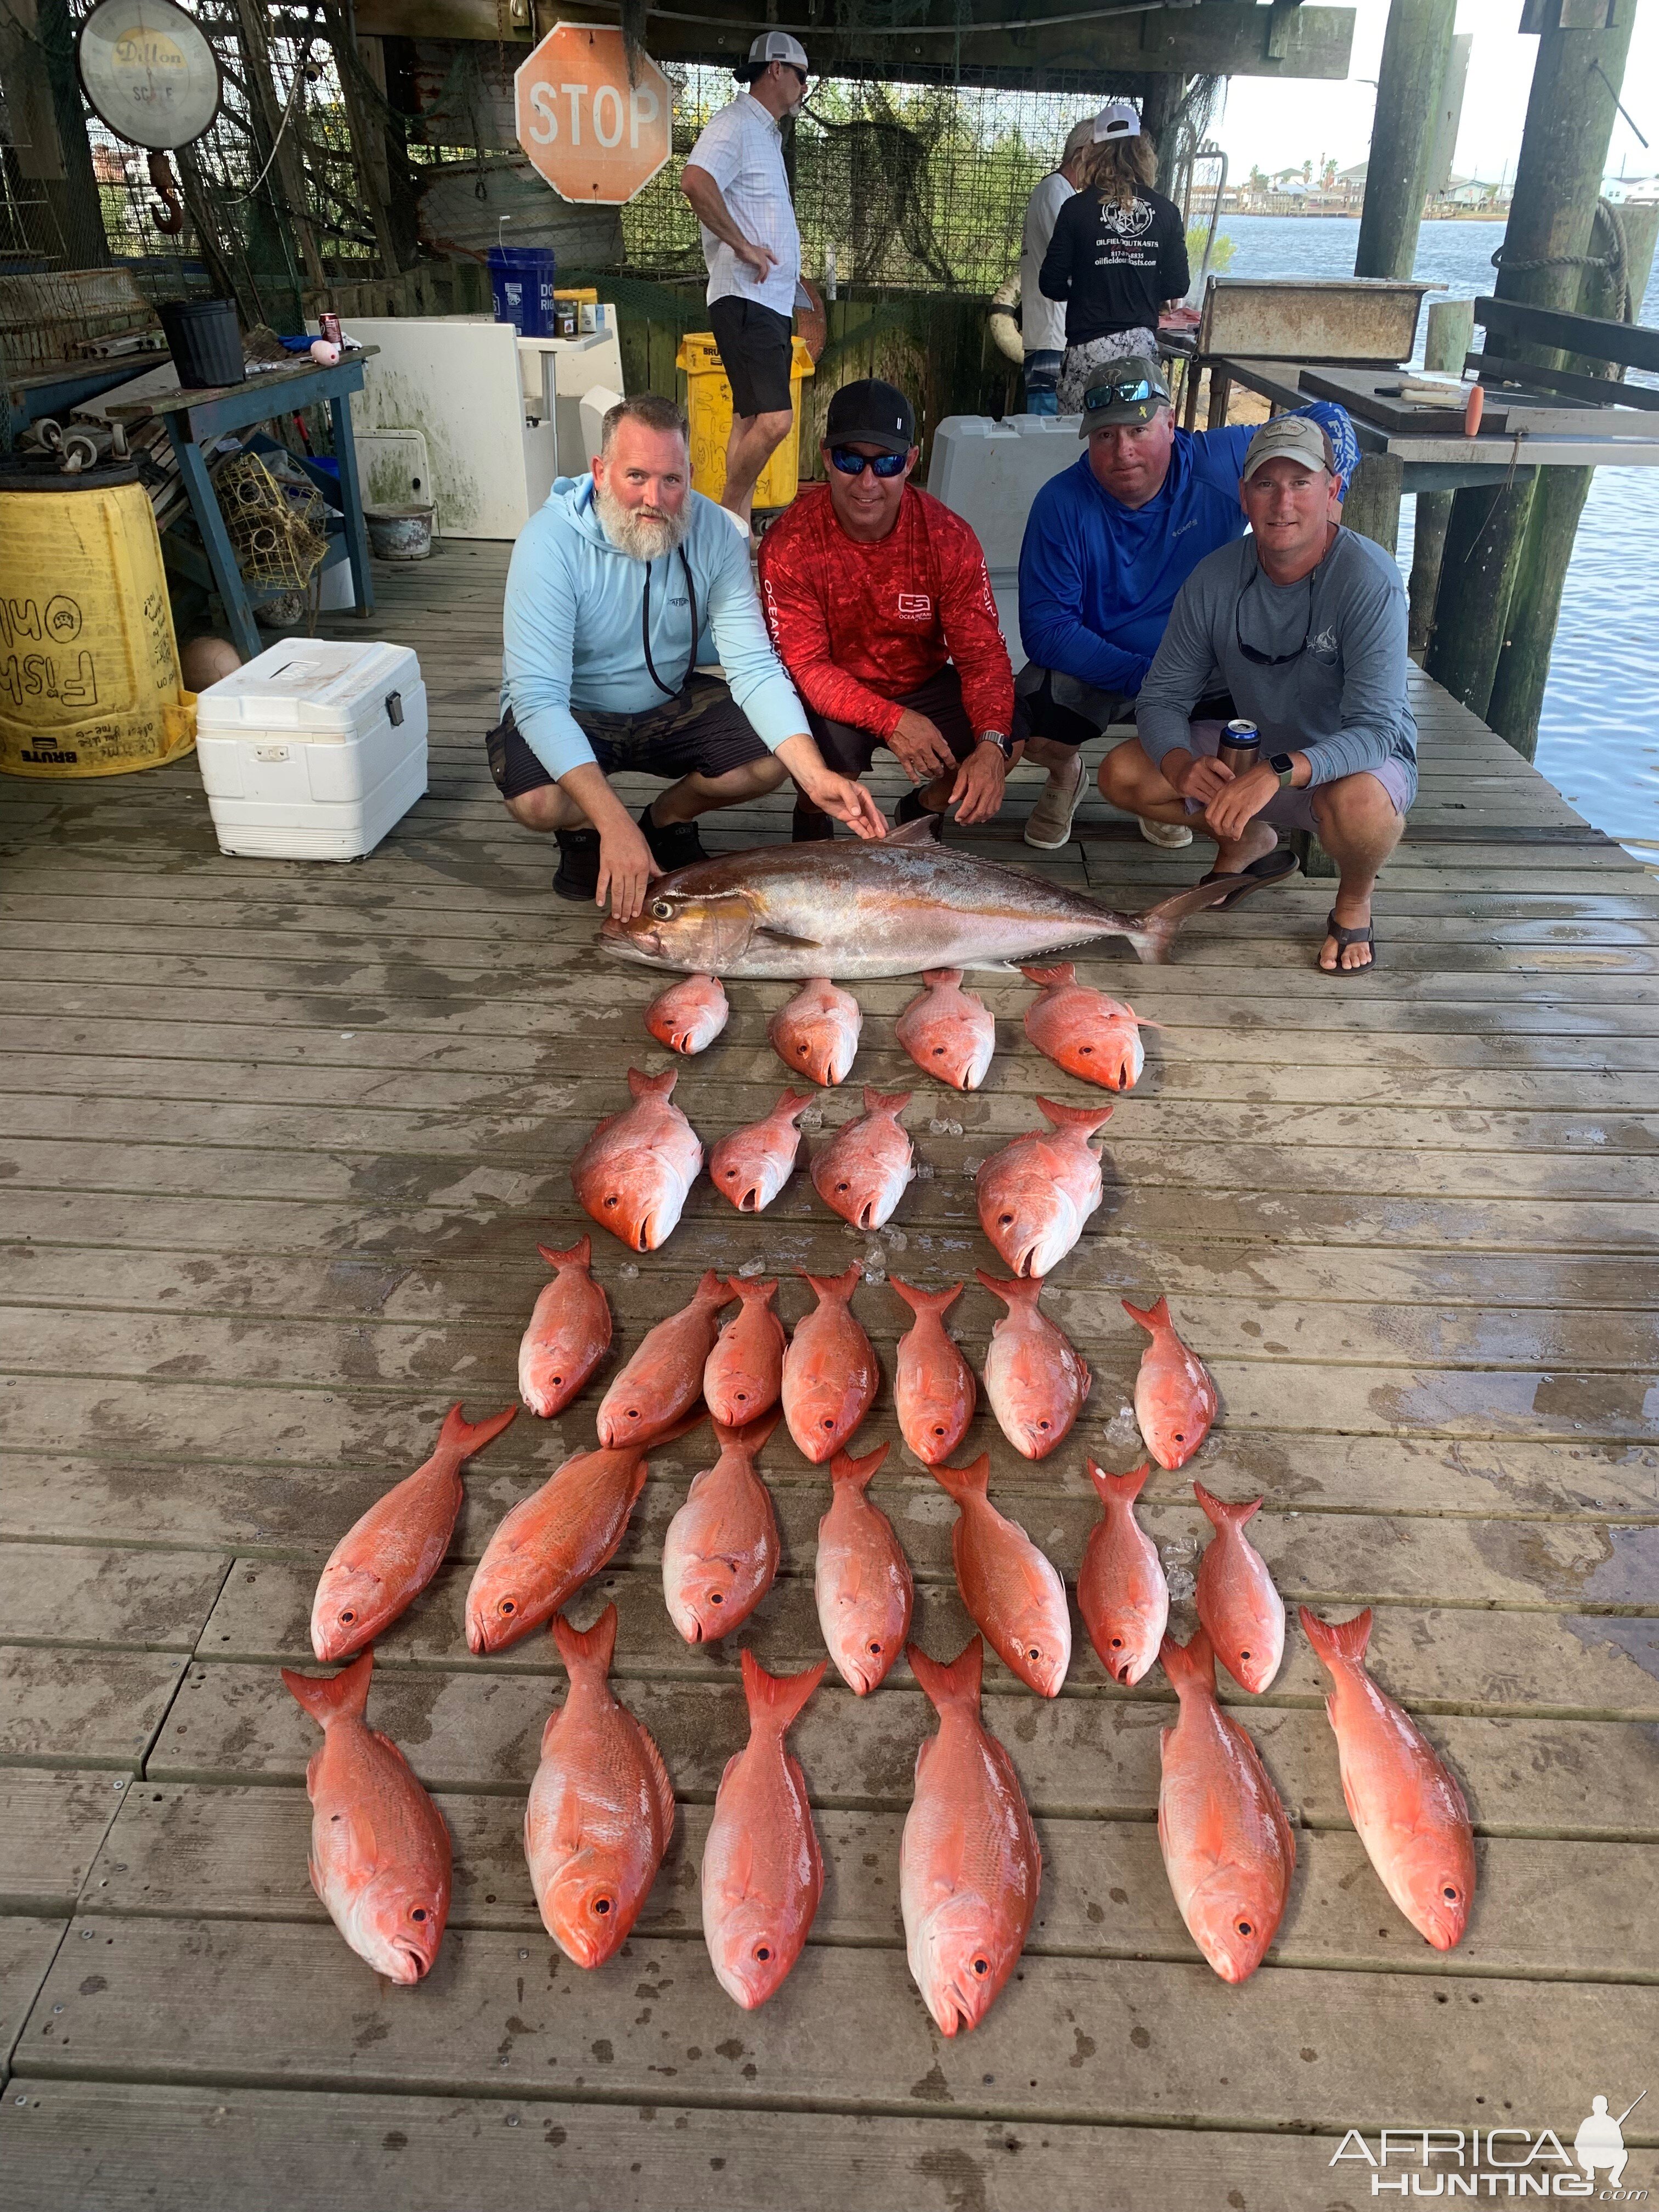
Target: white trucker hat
column 1296, row 437
column 774, row 47
column 1117, row 119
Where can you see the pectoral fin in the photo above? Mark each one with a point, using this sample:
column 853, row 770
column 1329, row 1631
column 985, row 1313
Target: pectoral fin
column 784, row 937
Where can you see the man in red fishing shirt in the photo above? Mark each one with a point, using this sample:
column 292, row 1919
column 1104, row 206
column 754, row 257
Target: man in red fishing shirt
column 880, row 608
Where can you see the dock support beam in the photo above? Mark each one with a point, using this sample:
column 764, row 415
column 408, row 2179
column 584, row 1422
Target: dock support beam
column 1450, row 337
column 1416, row 49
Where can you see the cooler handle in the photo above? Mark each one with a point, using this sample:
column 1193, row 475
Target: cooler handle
column 394, row 709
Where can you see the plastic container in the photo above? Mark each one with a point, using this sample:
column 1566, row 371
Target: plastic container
column 711, row 421
column 399, row 533
column 204, row 339
column 314, row 750
column 989, row 473
column 521, row 280
column 89, row 682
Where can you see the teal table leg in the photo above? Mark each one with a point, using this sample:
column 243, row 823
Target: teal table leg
column 215, row 539
column 356, row 536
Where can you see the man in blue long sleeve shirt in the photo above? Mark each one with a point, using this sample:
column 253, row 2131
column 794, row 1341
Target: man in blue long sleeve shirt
column 619, row 588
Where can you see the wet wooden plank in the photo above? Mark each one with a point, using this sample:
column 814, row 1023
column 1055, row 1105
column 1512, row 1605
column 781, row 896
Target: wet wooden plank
column 27, row 1947
column 151, row 1601
column 51, row 1826
column 101, row 1710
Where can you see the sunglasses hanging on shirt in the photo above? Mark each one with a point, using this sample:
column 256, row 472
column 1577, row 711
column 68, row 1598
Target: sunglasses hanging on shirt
column 849, row 463
column 1270, row 659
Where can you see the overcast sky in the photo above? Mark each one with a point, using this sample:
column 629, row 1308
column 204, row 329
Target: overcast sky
column 1275, row 123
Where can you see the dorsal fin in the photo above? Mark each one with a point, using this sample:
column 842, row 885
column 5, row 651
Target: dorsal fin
column 924, row 830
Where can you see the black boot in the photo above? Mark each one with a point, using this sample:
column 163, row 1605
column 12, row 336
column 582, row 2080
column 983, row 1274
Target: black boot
column 810, row 824
column 913, row 806
column 674, row 844
column 578, row 876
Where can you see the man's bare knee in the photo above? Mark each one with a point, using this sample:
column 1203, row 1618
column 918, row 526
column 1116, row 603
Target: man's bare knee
column 544, row 808
column 1356, row 818
column 1126, row 776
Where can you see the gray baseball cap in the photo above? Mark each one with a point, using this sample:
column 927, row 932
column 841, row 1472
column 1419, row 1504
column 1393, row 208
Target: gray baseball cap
column 1296, row 437
column 1123, row 392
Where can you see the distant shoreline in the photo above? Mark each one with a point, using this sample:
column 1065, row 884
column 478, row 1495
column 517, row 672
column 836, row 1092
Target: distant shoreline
column 1351, row 215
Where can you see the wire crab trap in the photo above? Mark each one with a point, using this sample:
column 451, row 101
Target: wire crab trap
column 277, row 531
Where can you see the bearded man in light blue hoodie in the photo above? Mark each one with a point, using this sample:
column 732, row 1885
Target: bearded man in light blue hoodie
column 620, row 587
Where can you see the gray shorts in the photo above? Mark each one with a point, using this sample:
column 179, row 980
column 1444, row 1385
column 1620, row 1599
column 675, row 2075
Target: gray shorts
column 1293, row 809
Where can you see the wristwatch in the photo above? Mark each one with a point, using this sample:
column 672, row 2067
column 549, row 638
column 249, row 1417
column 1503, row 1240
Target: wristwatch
column 1284, row 768
column 1001, row 740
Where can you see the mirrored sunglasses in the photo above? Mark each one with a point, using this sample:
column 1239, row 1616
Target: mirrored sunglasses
column 886, row 465
column 1132, row 392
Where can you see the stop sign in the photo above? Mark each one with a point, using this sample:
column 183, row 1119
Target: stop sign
column 594, row 136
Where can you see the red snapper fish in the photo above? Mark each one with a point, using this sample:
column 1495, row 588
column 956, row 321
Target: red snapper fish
column 688, row 1016
column 379, row 1850
column 817, row 1034
column 948, row 1031
column 634, row 1172
column 752, row 1165
column 1226, row 1842
column 1011, row 1591
column 1037, row 1191
column 568, row 1335
column 384, row 1560
column 969, row 1866
column 862, row 1172
column 663, row 1378
column 1036, row 1382
column 933, row 1388
column 829, row 1370
column 1176, row 1397
column 762, row 1873
column 721, row 1552
column 1120, row 1590
column 1083, row 1031
column 743, row 1375
column 601, row 1807
column 551, row 1543
column 1243, row 1613
column 1402, row 1799
column 862, row 1581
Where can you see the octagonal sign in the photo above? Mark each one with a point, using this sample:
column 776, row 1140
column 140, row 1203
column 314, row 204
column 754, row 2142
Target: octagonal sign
column 596, row 138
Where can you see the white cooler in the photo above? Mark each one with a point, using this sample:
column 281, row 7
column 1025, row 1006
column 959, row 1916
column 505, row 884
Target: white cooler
column 313, row 750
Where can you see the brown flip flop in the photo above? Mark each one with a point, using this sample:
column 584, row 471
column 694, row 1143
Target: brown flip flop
column 1364, row 935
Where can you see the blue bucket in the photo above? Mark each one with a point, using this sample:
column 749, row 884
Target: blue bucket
column 521, row 278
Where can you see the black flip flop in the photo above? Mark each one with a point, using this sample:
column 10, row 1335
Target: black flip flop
column 1364, row 935
column 1271, row 868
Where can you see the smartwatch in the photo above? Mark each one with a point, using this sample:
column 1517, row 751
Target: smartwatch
column 1001, row 740
column 1284, row 768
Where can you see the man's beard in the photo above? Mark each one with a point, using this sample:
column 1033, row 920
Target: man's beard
column 643, row 534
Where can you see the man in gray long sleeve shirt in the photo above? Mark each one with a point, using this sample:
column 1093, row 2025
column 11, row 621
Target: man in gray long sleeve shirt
column 1304, row 624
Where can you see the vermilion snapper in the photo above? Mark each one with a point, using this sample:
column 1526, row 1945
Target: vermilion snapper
column 862, row 1580
column 1401, row 1797
column 663, row 1379
column 688, row 1016
column 1035, row 1377
column 948, row 1031
column 568, row 1335
column 1037, row 1193
column 1083, row 1031
column 863, row 1172
column 744, row 1373
column 762, row 1873
column 1011, row 1591
column 1176, row 1398
column 752, row 1165
column 1243, row 1613
column 829, row 1370
column 384, row 1560
column 933, row 1388
column 1121, row 1592
column 817, row 1034
column 634, row 1172
column 721, row 1552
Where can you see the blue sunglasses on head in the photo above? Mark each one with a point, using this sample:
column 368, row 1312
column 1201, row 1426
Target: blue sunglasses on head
column 886, row 465
column 1129, row 392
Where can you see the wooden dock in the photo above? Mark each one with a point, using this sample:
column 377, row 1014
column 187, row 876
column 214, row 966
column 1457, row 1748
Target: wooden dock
column 281, row 1140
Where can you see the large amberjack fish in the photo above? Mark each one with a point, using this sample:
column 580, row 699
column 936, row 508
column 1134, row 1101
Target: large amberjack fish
column 688, row 1016
column 829, row 1370
column 1083, row 1031
column 947, row 1031
column 862, row 1581
column 1227, row 1844
column 864, row 1170
column 1035, row 1377
column 752, row 1165
column 817, row 1034
column 1401, row 1796
column 969, row 1865
column 933, row 1388
column 1243, row 1613
column 721, row 1552
column 634, row 1172
column 1012, row 1591
column 569, row 1331
column 379, row 1850
column 1035, row 1194
column 1121, row 1591
column 663, row 1379
column 1176, row 1397
column 743, row 1377
column 386, row 1559
column 763, row 1872
column 896, row 906
column 601, row 1807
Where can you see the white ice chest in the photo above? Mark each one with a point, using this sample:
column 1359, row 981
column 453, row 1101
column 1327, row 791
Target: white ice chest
column 313, row 750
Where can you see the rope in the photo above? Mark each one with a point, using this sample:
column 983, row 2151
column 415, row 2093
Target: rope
column 1616, row 262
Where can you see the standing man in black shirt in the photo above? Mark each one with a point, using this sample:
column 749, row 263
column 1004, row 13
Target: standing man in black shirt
column 1118, row 256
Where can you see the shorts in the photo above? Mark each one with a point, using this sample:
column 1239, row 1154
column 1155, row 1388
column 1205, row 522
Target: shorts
column 1042, row 382
column 704, row 731
column 848, row 750
column 1293, row 809
column 1082, row 363
column 1068, row 712
column 757, row 352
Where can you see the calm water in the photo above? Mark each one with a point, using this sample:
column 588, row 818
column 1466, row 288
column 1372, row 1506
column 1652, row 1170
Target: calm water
column 1598, row 739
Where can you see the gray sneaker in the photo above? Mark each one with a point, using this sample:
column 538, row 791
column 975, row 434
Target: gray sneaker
column 1050, row 825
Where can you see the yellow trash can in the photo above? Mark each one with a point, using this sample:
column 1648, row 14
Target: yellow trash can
column 89, row 682
column 711, row 421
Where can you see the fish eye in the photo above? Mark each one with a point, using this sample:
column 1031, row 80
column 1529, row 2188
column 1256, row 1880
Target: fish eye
column 602, row 1905
column 875, row 1653
column 418, row 1912
column 828, row 1421
column 715, row 1598
column 660, row 909
column 938, row 1052
column 1084, row 1050
column 508, row 1605
column 1043, row 1426
column 1243, row 1655
column 1117, row 1643
column 612, row 1200
column 346, row 1619
column 1449, row 1894
column 1034, row 1654
column 1244, row 1928
column 762, row 1952
column 981, row 1966
column 1005, row 1220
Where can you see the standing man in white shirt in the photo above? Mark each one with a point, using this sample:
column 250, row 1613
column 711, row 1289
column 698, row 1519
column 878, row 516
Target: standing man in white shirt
column 1043, row 321
column 735, row 180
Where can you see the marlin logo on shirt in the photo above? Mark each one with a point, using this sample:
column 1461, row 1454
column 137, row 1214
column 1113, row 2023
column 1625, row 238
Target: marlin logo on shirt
column 916, row 603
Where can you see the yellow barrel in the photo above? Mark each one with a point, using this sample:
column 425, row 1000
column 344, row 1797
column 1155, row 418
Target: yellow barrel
column 89, row 680
column 711, row 421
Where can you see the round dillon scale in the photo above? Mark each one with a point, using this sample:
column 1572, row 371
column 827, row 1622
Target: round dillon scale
column 149, row 71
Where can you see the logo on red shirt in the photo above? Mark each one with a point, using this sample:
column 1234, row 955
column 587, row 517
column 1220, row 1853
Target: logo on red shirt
column 916, row 603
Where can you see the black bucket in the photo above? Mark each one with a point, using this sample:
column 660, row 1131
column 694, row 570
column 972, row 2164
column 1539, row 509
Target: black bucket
column 204, row 342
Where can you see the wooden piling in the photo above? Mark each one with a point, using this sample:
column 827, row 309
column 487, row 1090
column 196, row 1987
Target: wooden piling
column 1450, row 337
column 1416, row 49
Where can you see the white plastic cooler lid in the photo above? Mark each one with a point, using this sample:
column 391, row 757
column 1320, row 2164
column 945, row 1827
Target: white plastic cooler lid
column 314, row 689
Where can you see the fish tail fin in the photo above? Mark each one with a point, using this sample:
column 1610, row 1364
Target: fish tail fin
column 954, row 1683
column 1191, row 1664
column 578, row 1256
column 884, row 1101
column 1125, row 1488
column 926, row 1301
column 835, row 1290
column 1017, row 1291
column 587, row 1647
column 342, row 1696
column 652, row 1086
column 962, row 1483
column 1222, row 1512
column 1335, row 1641
column 775, row 1700
column 1088, row 1119
column 1154, row 1318
column 1048, row 979
column 941, row 978
column 713, row 1290
column 857, row 1473
column 1153, row 933
column 683, row 1427
column 465, row 1437
column 751, row 1292
column 752, row 1435
column 791, row 1101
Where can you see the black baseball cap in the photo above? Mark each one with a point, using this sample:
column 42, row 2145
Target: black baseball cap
column 871, row 413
